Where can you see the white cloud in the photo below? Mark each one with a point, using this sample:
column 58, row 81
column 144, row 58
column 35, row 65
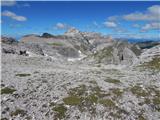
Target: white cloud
column 151, row 14
column 151, row 26
column 110, row 24
column 113, row 18
column 95, row 23
column 136, row 25
column 62, row 26
column 26, row 5
column 8, row 2
column 13, row 16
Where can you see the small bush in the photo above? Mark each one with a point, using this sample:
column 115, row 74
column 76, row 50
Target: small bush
column 23, row 75
column 138, row 91
column 56, row 44
column 72, row 100
column 7, row 90
column 18, row 112
column 110, row 80
column 107, row 102
column 60, row 109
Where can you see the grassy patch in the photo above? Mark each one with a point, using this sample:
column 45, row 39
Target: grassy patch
column 107, row 102
column 52, row 104
column 156, row 101
column 115, row 115
column 140, row 117
column 4, row 119
column 117, row 91
column 72, row 100
column 114, row 81
column 154, row 64
column 60, row 110
column 91, row 99
column 139, row 91
column 105, row 53
column 18, row 112
column 78, row 91
column 23, row 75
column 7, row 90
column 56, row 44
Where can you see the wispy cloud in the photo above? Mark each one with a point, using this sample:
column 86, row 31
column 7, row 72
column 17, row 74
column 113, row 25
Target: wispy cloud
column 136, row 25
column 151, row 26
column 151, row 14
column 13, row 16
column 62, row 26
column 8, row 2
column 110, row 24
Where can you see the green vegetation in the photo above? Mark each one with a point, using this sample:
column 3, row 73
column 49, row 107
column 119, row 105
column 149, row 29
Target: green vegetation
column 52, row 104
column 139, row 91
column 140, row 117
column 117, row 91
column 110, row 80
column 104, row 53
column 72, row 100
column 154, row 64
column 23, row 75
column 56, row 44
column 91, row 99
column 78, row 91
column 7, row 90
column 60, row 110
column 107, row 102
column 18, row 112
column 4, row 119
column 156, row 101
column 93, row 82
column 115, row 115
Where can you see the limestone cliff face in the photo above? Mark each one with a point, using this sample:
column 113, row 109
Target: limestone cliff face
column 118, row 52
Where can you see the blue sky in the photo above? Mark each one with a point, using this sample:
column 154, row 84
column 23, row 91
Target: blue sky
column 119, row 19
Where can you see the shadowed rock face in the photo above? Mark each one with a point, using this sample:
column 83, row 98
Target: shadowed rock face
column 47, row 35
column 116, row 52
column 8, row 40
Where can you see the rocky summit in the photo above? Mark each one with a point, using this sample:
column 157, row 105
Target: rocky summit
column 79, row 76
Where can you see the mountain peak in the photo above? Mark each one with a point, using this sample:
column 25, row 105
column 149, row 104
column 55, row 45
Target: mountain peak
column 72, row 32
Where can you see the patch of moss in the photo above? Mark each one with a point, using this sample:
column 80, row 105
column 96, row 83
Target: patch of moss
column 104, row 53
column 115, row 115
column 110, row 80
column 147, row 101
column 52, row 104
column 4, row 119
column 78, row 91
column 139, row 91
column 56, row 44
column 98, row 92
column 156, row 100
column 60, row 110
column 72, row 100
column 23, row 75
column 93, row 82
column 107, row 102
column 154, row 64
column 91, row 99
column 7, row 90
column 18, row 112
column 117, row 91
column 140, row 117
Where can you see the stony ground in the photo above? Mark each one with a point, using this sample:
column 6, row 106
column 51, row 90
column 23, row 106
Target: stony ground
column 34, row 88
